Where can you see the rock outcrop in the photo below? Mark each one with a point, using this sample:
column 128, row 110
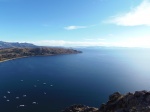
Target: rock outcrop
column 80, row 108
column 130, row 102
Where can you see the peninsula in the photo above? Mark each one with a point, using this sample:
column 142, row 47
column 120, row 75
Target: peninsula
column 19, row 52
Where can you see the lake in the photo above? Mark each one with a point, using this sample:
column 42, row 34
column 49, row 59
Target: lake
column 51, row 83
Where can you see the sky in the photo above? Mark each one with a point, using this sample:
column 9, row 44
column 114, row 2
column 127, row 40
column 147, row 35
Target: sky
column 120, row 23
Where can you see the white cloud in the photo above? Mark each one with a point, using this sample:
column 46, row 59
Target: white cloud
column 69, row 43
column 139, row 15
column 74, row 27
column 143, row 42
column 134, row 42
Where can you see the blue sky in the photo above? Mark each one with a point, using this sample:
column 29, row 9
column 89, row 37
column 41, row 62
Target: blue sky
column 123, row 23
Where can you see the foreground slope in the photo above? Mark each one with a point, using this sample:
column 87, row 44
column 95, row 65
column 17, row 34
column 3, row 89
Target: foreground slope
column 130, row 102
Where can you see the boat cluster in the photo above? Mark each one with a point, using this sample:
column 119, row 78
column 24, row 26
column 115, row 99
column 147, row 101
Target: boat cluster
column 8, row 93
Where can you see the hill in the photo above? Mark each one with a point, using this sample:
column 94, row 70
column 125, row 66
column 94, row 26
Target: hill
column 15, row 44
column 11, row 53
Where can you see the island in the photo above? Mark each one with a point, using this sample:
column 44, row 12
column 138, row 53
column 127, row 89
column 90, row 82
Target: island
column 19, row 52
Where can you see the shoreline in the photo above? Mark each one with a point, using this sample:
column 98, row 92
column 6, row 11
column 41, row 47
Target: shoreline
column 13, row 59
column 33, row 56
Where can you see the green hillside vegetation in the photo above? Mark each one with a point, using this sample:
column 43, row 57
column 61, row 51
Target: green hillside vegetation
column 11, row 53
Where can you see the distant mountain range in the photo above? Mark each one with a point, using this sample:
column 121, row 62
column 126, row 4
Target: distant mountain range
column 15, row 44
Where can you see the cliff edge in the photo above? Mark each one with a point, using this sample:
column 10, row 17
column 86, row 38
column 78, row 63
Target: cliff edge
column 130, row 102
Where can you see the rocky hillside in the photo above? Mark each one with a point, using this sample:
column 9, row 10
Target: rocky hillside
column 10, row 53
column 80, row 108
column 130, row 102
column 15, row 44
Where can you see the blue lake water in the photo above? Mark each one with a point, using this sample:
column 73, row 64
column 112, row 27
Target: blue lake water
column 51, row 83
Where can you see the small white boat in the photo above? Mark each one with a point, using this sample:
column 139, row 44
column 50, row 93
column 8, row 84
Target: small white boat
column 17, row 97
column 34, row 103
column 22, row 105
column 24, row 95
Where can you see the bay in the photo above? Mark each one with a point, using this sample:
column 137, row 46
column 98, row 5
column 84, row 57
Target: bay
column 52, row 83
